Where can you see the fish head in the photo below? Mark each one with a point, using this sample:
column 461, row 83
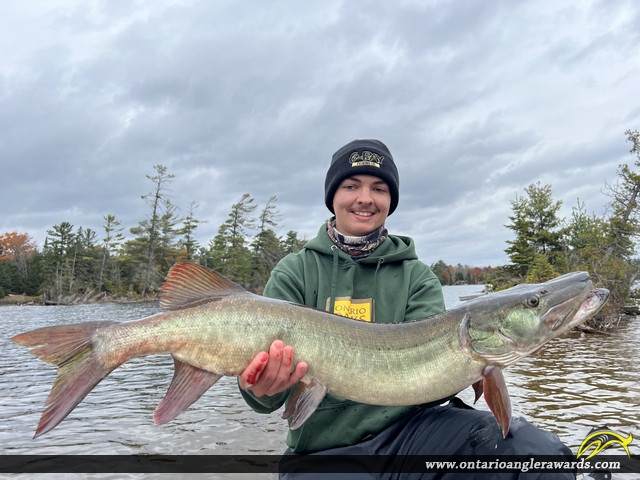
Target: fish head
column 514, row 323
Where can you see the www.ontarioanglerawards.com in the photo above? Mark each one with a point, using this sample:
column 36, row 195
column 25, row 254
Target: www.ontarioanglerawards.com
column 521, row 466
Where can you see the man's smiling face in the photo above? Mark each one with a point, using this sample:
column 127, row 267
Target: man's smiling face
column 361, row 205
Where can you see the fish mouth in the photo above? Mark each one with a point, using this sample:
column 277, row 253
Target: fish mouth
column 565, row 316
column 558, row 318
column 590, row 306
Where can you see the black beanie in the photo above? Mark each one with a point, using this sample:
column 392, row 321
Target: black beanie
column 362, row 157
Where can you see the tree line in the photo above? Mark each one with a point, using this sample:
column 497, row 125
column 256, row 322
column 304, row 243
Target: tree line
column 460, row 274
column 79, row 260
column 246, row 247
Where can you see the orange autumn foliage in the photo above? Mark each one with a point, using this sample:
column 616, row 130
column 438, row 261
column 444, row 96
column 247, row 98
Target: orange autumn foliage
column 15, row 246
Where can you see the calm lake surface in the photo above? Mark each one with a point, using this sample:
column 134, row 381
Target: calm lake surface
column 576, row 383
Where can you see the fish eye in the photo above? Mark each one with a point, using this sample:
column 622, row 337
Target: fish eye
column 533, row 301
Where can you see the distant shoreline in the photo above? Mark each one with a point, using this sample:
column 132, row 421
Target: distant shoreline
column 20, row 300
column 26, row 300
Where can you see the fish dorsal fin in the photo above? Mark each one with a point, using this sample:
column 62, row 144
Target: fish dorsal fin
column 188, row 285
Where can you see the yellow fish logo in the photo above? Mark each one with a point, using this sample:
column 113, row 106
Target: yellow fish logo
column 601, row 439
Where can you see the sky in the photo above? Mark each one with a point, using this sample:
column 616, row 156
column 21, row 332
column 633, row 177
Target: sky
column 476, row 101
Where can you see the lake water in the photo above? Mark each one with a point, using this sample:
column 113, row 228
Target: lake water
column 576, row 383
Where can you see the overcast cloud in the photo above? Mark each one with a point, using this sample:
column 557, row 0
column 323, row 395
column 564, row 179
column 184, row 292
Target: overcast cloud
column 476, row 101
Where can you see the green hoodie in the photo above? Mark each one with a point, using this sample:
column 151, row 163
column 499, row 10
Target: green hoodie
column 389, row 286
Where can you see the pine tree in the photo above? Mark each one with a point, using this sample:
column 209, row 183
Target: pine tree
column 230, row 254
column 84, row 265
column 5, row 279
column 112, row 240
column 267, row 248
column 293, row 244
column 441, row 270
column 541, row 270
column 167, row 250
column 189, row 225
column 537, row 227
column 58, row 251
column 149, row 230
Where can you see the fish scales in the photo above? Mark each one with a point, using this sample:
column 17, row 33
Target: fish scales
column 392, row 365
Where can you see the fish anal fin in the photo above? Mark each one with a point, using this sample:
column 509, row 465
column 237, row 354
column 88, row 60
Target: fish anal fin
column 303, row 402
column 478, row 388
column 497, row 397
column 188, row 285
column 188, row 385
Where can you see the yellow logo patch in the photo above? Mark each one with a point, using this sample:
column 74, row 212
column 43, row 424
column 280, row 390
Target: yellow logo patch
column 358, row 309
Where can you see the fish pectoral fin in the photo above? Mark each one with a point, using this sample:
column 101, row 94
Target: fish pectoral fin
column 187, row 386
column 478, row 388
column 188, row 285
column 303, row 402
column 497, row 396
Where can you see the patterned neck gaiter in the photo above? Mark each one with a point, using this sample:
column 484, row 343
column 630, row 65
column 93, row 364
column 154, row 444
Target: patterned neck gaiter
column 357, row 247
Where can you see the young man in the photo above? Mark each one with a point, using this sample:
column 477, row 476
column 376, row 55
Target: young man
column 353, row 267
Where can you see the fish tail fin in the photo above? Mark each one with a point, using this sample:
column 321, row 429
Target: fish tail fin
column 79, row 368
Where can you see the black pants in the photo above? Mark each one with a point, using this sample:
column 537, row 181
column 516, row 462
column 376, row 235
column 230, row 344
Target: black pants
column 452, row 429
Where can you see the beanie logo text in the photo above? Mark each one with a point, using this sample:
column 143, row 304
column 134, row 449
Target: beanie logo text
column 366, row 159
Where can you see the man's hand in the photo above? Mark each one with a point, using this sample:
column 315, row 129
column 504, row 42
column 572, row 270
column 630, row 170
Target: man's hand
column 271, row 373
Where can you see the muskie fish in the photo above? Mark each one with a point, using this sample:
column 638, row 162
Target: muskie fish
column 214, row 327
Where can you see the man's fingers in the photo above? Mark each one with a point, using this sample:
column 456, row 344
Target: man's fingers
column 251, row 374
column 298, row 373
column 281, row 378
column 276, row 349
column 287, row 360
column 269, row 374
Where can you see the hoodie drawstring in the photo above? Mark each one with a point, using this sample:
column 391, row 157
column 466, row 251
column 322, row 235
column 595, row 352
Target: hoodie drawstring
column 334, row 279
column 375, row 275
